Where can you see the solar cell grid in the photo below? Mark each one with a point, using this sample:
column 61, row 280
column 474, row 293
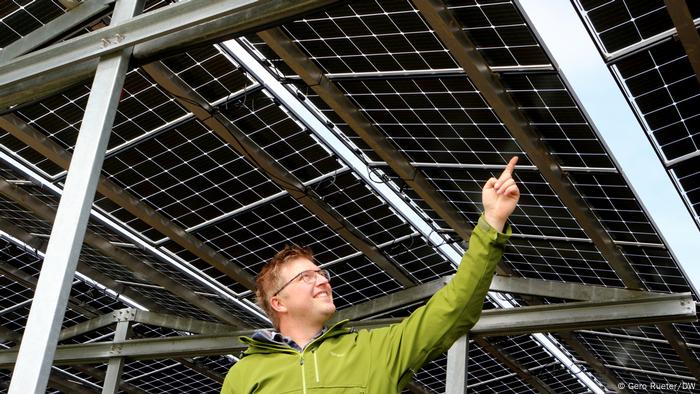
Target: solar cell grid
column 355, row 202
column 418, row 259
column 107, row 266
column 525, row 350
column 646, row 356
column 252, row 237
column 163, row 376
column 209, row 72
column 20, row 17
column 539, row 212
column 545, row 101
column 433, row 374
column 576, row 262
column 67, row 107
column 499, row 32
column 281, row 136
column 690, row 332
column 170, row 270
column 441, row 120
column 245, row 317
column 29, row 156
column 369, row 36
column 180, row 254
column 485, row 374
column 657, row 269
column 174, row 305
column 622, row 23
column 96, row 299
column 18, row 216
column 358, row 280
column 615, row 206
column 538, row 361
column 432, row 125
column 561, row 381
column 663, row 86
column 13, row 302
column 216, row 364
column 650, row 332
column 143, row 108
column 79, row 376
column 189, row 174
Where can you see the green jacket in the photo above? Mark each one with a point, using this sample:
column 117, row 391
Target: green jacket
column 381, row 360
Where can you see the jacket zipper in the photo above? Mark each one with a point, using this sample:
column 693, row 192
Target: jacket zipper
column 303, row 375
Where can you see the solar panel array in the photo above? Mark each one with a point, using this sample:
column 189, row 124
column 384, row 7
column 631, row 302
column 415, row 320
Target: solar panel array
column 639, row 43
column 388, row 61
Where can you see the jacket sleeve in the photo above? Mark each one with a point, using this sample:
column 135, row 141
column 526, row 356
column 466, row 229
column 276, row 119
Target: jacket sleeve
column 431, row 329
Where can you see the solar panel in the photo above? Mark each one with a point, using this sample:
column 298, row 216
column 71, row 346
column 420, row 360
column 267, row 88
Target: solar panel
column 656, row 76
column 622, row 23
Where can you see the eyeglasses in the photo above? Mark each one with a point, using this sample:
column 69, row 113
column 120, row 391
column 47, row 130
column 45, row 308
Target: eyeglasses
column 308, row 276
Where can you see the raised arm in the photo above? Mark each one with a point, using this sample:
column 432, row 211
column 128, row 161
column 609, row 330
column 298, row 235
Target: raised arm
column 455, row 308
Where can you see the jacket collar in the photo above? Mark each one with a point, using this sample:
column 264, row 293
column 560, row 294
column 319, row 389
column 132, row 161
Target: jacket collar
column 265, row 341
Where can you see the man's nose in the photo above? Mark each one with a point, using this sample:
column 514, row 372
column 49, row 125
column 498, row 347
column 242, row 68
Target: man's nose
column 321, row 279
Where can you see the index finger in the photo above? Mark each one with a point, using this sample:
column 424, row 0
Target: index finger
column 510, row 167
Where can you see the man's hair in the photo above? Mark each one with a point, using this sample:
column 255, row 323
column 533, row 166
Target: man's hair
column 268, row 280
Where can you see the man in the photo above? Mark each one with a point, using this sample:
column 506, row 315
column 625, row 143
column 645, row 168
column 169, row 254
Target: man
column 303, row 356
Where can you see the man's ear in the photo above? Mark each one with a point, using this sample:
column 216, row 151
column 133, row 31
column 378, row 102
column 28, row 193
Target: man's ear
column 277, row 304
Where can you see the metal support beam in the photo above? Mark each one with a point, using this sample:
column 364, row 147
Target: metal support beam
column 180, row 323
column 494, row 322
column 87, row 326
column 457, row 363
column 432, row 73
column 158, row 33
column 116, row 364
column 82, row 13
column 495, row 167
column 279, row 42
column 687, row 33
column 230, row 133
column 502, row 356
column 53, row 288
column 565, row 290
column 52, row 151
column 139, row 267
column 503, row 284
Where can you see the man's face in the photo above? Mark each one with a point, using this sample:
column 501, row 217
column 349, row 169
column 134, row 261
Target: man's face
column 308, row 301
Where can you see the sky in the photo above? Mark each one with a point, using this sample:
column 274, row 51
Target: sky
column 563, row 33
